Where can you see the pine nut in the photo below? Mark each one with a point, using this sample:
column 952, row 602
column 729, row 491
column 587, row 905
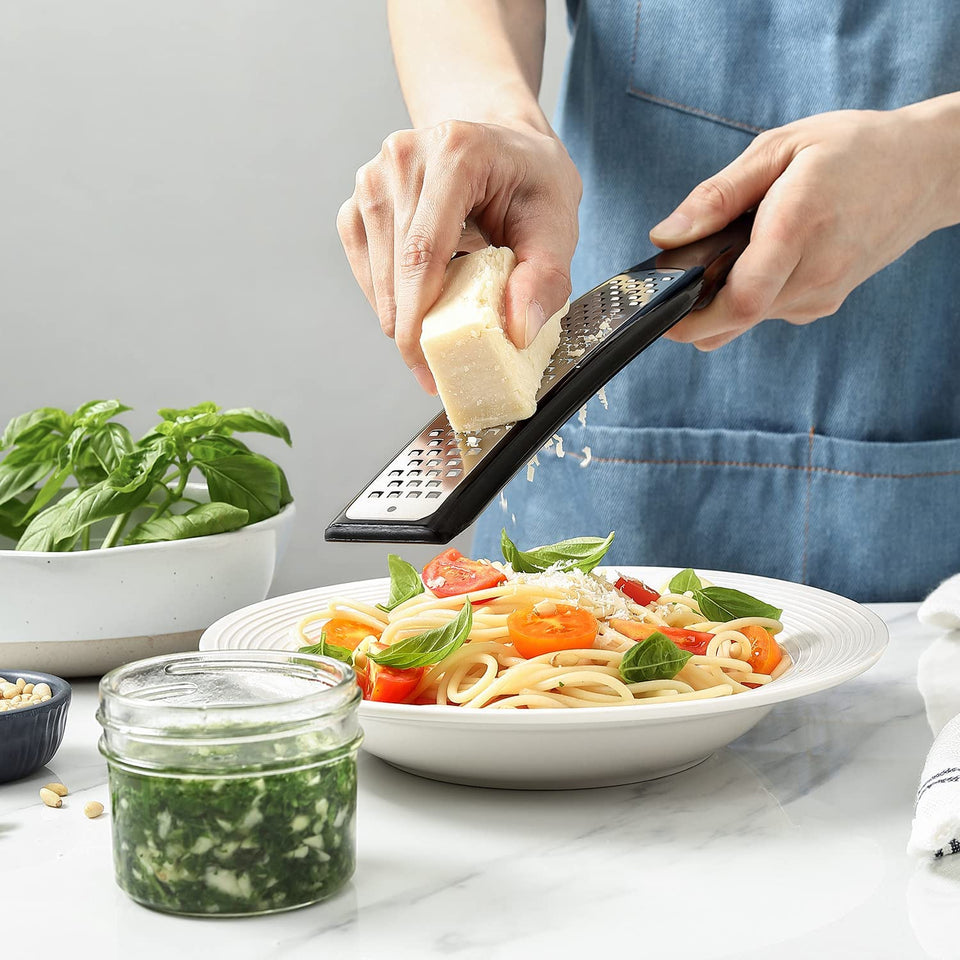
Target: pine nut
column 93, row 809
column 50, row 798
column 43, row 689
column 28, row 688
column 58, row 788
column 21, row 683
column 9, row 691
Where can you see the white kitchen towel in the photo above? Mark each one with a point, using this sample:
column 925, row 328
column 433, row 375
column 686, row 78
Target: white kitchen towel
column 936, row 818
column 942, row 607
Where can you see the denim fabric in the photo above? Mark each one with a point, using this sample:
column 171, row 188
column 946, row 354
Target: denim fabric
column 827, row 454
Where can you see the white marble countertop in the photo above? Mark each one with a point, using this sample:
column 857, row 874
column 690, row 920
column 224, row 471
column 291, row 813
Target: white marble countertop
column 789, row 844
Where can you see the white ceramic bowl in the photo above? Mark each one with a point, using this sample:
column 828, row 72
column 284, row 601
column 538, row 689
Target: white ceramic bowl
column 830, row 639
column 83, row 613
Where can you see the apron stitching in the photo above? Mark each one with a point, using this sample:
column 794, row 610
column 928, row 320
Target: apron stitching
column 806, row 512
column 775, row 466
column 739, row 124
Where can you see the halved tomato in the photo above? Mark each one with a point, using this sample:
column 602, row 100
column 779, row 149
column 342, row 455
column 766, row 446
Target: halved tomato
column 547, row 627
column 347, row 633
column 637, row 591
column 693, row 641
column 765, row 652
column 451, row 574
column 387, row 684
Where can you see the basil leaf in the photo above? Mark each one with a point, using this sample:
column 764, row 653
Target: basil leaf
column 246, row 480
column 324, row 649
column 95, row 413
column 142, row 467
column 248, row 420
column 46, row 448
column 48, row 491
column 683, row 581
column 16, row 480
column 580, row 553
column 110, row 444
column 285, row 495
column 26, row 425
column 187, row 413
column 721, row 604
column 201, row 521
column 11, row 519
column 405, row 583
column 58, row 527
column 427, row 648
column 656, row 658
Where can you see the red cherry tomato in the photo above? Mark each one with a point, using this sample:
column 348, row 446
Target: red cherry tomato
column 637, row 591
column 693, row 641
column 452, row 574
column 387, row 684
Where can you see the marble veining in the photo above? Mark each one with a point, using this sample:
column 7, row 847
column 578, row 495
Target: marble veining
column 789, row 843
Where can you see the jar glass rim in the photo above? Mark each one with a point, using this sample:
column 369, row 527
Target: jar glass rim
column 153, row 703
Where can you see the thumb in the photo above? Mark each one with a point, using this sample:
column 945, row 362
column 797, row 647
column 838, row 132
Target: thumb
column 719, row 200
column 538, row 287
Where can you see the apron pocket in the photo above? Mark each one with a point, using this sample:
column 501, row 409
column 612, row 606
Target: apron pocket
column 753, row 66
column 871, row 521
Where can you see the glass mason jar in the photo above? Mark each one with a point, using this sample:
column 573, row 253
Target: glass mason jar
column 232, row 779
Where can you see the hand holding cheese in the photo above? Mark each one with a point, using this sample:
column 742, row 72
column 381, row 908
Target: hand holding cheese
column 484, row 380
column 459, row 186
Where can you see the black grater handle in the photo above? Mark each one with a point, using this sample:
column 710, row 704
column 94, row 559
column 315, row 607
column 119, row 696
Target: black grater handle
column 692, row 276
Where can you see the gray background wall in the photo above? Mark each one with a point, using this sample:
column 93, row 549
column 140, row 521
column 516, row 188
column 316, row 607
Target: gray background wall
column 170, row 173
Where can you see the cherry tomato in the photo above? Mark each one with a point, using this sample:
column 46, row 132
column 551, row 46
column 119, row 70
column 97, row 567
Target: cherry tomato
column 347, row 633
column 637, row 591
column 693, row 641
column 557, row 627
column 452, row 574
column 765, row 652
column 387, row 684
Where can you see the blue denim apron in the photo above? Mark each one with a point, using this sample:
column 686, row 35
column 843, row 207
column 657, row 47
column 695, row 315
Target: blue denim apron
column 827, row 454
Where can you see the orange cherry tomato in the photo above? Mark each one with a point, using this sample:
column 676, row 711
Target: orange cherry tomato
column 557, row 627
column 347, row 633
column 451, row 574
column 693, row 641
column 387, row 684
column 765, row 652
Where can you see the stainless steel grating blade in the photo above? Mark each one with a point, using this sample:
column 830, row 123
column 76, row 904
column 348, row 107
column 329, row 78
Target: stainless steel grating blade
column 441, row 480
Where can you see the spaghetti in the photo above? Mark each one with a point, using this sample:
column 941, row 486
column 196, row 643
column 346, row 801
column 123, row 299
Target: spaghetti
column 491, row 669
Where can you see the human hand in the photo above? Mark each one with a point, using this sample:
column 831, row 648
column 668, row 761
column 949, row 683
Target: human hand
column 459, row 186
column 838, row 196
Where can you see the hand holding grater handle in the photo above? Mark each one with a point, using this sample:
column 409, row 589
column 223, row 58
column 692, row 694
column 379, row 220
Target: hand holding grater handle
column 439, row 482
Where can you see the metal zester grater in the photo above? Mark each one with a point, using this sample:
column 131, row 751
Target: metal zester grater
column 440, row 481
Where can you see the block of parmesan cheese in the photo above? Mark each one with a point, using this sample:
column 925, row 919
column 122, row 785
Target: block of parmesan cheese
column 482, row 378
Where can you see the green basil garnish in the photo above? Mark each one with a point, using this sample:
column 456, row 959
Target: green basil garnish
column 656, row 658
column 405, row 583
column 324, row 649
column 581, row 553
column 426, row 649
column 685, row 580
column 721, row 604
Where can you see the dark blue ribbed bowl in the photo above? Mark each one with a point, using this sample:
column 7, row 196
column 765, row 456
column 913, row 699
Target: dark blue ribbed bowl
column 30, row 736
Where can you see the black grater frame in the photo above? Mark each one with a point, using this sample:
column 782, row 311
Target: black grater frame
column 440, row 481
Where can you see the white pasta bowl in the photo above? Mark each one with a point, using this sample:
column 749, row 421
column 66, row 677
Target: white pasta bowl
column 83, row 613
column 830, row 639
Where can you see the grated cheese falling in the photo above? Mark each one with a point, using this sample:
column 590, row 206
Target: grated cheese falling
column 587, row 457
column 559, row 440
column 602, row 396
column 582, row 416
column 503, row 502
column 531, row 468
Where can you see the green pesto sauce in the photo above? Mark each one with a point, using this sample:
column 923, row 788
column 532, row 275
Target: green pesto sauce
column 239, row 845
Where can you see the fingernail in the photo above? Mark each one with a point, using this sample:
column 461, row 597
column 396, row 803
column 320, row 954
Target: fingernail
column 534, row 322
column 425, row 378
column 677, row 225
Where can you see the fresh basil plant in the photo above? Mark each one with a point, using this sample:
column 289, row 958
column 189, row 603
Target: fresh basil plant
column 134, row 489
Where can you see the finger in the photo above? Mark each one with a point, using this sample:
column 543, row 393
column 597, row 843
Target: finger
column 719, row 200
column 376, row 209
column 540, row 283
column 353, row 237
column 430, row 241
column 746, row 298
